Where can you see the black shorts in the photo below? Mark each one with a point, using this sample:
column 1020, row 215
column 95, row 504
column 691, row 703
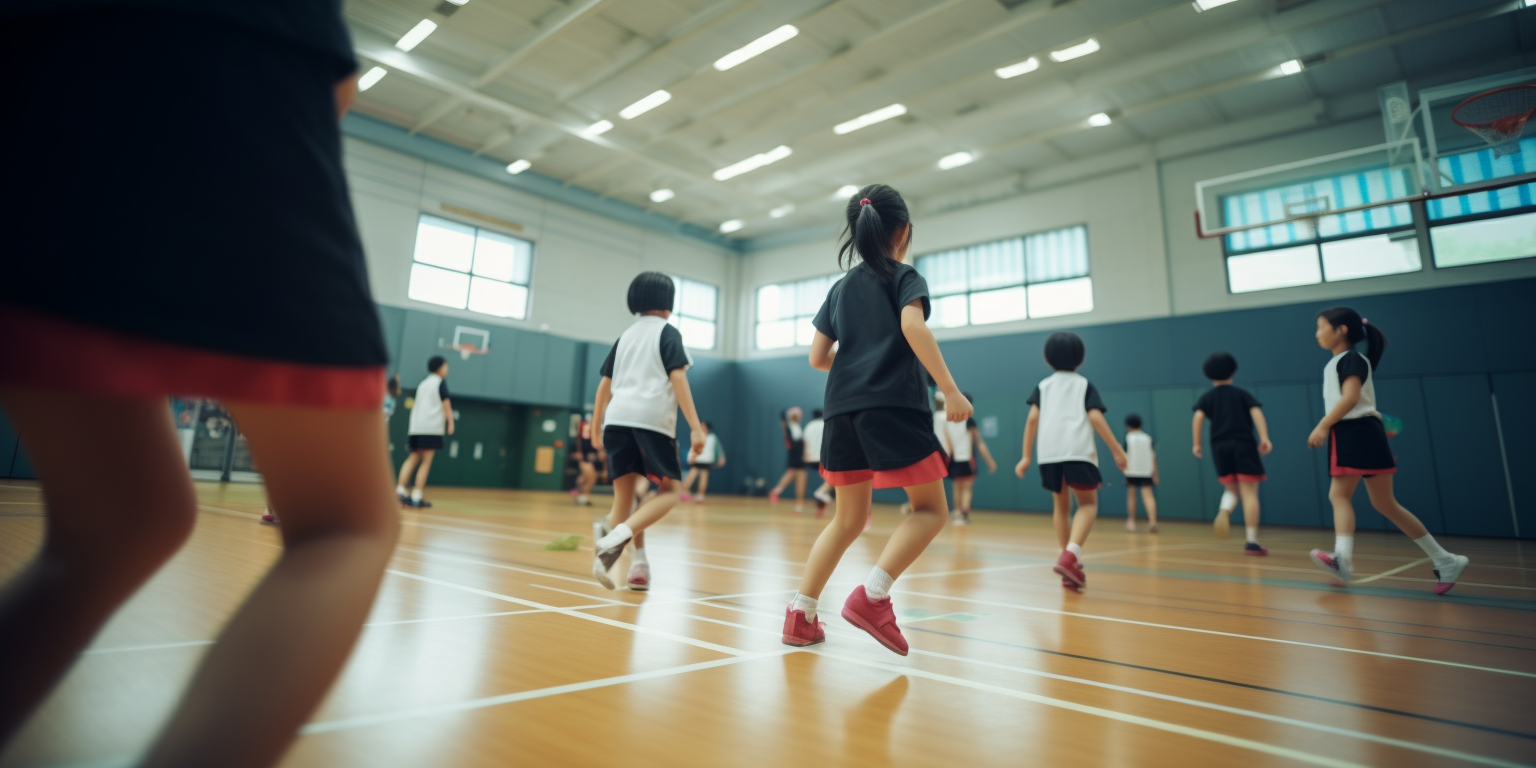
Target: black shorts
column 959, row 469
column 1139, row 482
column 635, row 451
column 1078, row 475
column 702, row 465
column 796, row 457
column 424, row 442
column 1359, row 447
column 1238, row 461
column 893, row 447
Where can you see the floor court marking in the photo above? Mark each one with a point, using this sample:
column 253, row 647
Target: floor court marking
column 1396, row 570
column 1320, row 585
column 1387, row 574
column 1044, row 561
column 608, row 600
column 1281, row 641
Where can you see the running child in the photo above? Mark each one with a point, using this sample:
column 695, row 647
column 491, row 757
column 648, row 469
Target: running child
column 794, row 445
column 701, row 462
column 813, row 434
column 586, row 463
column 879, row 432
column 1065, row 411
column 962, row 440
column 1140, row 473
column 645, row 380
column 1357, row 448
column 1234, row 414
column 431, row 418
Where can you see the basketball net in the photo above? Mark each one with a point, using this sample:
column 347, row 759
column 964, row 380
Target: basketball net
column 1498, row 116
column 465, row 350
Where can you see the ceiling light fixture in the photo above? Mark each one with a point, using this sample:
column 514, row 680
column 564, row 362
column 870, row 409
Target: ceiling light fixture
column 1291, row 67
column 662, row 195
column 782, row 211
column 518, row 166
column 1022, row 68
column 732, row 226
column 371, row 78
column 846, row 190
column 756, row 47
column 645, row 105
column 417, row 34
column 956, row 160
column 1206, row 5
column 1075, row 52
column 598, row 128
column 752, row 163
column 870, row 118
column 1099, row 120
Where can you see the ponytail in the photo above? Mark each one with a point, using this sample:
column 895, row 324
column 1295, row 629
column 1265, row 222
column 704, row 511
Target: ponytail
column 1359, row 329
column 874, row 215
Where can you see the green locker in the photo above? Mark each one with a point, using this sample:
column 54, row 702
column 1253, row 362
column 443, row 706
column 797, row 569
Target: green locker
column 543, row 445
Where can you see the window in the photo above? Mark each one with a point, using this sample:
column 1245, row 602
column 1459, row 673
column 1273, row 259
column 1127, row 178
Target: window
column 1484, row 227
column 1041, row 275
column 466, row 267
column 784, row 312
column 694, row 312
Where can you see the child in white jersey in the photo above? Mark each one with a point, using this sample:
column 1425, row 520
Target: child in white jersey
column 1140, row 473
column 814, row 429
column 431, row 418
column 1357, row 448
column 1065, row 411
column 634, row 418
column 962, row 441
column 794, row 445
column 701, row 462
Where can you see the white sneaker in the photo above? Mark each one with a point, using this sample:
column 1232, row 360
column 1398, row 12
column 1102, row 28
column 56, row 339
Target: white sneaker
column 906, row 509
column 583, row 501
column 1333, row 565
column 1446, row 577
column 962, row 518
column 600, row 571
column 699, row 498
column 639, row 578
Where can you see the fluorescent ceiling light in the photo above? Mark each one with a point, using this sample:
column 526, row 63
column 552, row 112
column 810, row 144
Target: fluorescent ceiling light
column 598, row 128
column 1290, row 67
column 1099, row 120
column 371, row 78
column 417, row 34
column 518, row 166
column 732, row 225
column 1206, row 5
column 782, row 211
column 956, row 160
column 1022, row 68
column 1077, row 51
column 870, row 118
column 662, row 195
column 846, row 190
column 756, row 47
column 753, row 163
column 645, row 105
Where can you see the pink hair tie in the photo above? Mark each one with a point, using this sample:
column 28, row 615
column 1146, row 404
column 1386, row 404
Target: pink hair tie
column 1365, row 321
column 864, row 202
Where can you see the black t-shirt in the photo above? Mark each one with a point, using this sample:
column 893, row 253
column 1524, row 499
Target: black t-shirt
column 1353, row 364
column 1228, row 409
column 875, row 367
column 442, row 390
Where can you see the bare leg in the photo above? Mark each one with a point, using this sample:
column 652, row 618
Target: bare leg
column 1061, row 516
column 1130, row 505
column 799, row 486
column 703, row 481
column 1149, row 498
column 1250, row 495
column 693, row 472
column 653, row 510
column 119, row 505
column 623, row 499
column 407, row 467
column 1380, row 490
column 930, row 511
column 964, row 486
column 1339, row 493
column 789, row 474
column 846, row 525
column 1087, row 513
column 426, row 466
column 587, row 480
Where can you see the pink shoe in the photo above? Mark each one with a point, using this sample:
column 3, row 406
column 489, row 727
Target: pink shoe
column 639, row 578
column 1069, row 569
column 773, row 497
column 1255, row 549
column 269, row 519
column 799, row 632
column 875, row 617
column 1070, row 584
column 686, row 497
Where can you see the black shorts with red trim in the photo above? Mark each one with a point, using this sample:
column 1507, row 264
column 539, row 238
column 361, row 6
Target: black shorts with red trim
column 1077, row 475
column 962, row 468
column 1140, row 482
column 893, row 447
column 637, row 451
column 1238, row 461
column 1359, row 447
column 424, row 442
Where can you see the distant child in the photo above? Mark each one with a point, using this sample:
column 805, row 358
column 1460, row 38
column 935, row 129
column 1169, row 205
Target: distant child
column 701, row 462
column 794, row 445
column 431, row 418
column 1065, row 411
column 1140, row 472
column 1357, row 448
column 1234, row 415
column 645, row 380
column 962, row 440
column 814, row 429
column 879, row 432
column 586, row 462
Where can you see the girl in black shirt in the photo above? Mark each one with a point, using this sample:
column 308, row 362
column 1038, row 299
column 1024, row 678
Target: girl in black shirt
column 794, row 445
column 879, row 429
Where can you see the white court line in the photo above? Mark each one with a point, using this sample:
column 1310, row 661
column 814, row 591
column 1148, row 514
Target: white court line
column 1398, row 569
column 609, row 600
column 1074, row 614
column 149, row 647
column 1051, row 561
column 329, row 726
column 1388, row 574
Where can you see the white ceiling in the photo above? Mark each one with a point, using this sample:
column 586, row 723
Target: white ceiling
column 513, row 79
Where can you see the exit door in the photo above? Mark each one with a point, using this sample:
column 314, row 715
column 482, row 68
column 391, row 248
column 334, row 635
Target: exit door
column 545, row 444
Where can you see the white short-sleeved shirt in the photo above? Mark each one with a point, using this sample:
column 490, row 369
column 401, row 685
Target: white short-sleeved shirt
column 1341, row 367
column 959, row 433
column 711, row 452
column 1138, row 454
column 939, row 430
column 639, row 365
column 812, row 437
column 427, row 417
column 1065, row 398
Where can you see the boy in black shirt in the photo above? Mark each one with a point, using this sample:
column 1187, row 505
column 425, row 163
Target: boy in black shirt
column 1234, row 415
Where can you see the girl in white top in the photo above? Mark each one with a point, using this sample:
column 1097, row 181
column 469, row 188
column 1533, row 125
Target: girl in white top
column 794, row 443
column 1358, row 449
column 1140, row 472
column 962, row 441
column 701, row 462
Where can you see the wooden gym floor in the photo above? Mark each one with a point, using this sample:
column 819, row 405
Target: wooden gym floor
column 486, row 650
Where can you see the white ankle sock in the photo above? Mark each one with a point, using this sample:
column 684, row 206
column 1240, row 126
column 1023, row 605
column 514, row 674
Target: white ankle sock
column 640, row 558
column 1075, row 549
column 1344, row 546
column 878, row 585
column 400, row 490
column 1253, row 535
column 416, row 495
column 1228, row 500
column 620, row 534
column 1432, row 548
column 803, row 603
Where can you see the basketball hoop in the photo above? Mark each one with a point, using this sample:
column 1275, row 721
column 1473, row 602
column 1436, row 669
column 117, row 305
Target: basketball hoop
column 465, row 350
column 1498, row 116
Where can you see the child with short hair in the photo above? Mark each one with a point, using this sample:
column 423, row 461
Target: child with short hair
column 814, row 430
column 701, row 462
column 1140, row 472
column 962, row 441
column 794, row 446
column 879, row 432
column 586, row 462
column 1357, row 448
column 1065, row 411
column 431, row 418
column 1234, row 414
column 634, row 418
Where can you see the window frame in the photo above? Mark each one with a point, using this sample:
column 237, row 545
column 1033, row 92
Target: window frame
column 678, row 314
column 794, row 318
column 471, row 275
column 1025, row 284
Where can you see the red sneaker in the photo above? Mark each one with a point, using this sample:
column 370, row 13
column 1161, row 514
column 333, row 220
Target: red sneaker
column 1070, row 570
column 773, row 497
column 1253, row 548
column 876, row 618
column 799, row 632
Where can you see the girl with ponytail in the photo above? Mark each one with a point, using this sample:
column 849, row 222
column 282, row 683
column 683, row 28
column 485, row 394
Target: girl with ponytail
column 878, row 431
column 1357, row 447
